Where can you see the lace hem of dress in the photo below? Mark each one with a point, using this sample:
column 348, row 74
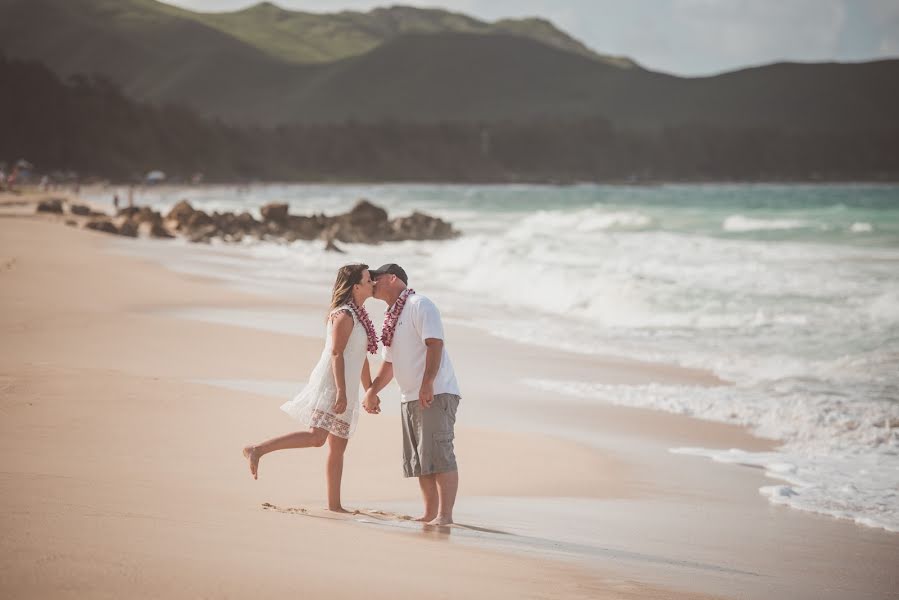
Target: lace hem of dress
column 325, row 420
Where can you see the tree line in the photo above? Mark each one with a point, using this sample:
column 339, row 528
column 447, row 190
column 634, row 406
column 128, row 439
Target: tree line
column 87, row 125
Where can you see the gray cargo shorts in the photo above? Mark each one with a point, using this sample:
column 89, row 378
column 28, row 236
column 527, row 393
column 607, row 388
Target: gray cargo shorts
column 428, row 436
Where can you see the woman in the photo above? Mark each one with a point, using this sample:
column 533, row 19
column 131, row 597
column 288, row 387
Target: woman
column 329, row 404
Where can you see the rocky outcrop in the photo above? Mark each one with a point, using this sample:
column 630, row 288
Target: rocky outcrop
column 153, row 230
column 178, row 216
column 276, row 213
column 366, row 223
column 126, row 227
column 104, row 225
column 419, row 226
column 51, row 205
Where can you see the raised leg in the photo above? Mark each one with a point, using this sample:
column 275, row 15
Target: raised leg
column 314, row 437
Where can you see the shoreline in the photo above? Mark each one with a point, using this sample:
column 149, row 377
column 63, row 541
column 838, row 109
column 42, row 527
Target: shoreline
column 622, row 454
column 102, row 183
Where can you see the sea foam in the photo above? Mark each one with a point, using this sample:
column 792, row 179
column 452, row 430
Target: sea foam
column 838, row 457
column 739, row 223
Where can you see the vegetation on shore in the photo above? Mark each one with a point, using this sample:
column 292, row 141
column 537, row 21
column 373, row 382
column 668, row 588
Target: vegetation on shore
column 88, row 125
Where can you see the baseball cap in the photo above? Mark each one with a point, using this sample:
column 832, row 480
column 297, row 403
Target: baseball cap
column 392, row 269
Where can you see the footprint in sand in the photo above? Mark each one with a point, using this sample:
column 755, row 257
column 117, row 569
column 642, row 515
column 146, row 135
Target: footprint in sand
column 376, row 515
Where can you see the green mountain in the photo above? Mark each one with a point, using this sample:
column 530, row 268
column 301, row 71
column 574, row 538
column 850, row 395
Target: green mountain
column 89, row 127
column 265, row 65
column 301, row 37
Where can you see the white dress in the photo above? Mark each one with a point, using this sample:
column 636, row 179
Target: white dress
column 314, row 405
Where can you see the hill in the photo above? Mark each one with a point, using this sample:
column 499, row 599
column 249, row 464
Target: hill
column 418, row 65
column 88, row 126
column 302, row 37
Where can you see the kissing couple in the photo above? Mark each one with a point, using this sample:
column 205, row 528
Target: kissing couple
column 413, row 351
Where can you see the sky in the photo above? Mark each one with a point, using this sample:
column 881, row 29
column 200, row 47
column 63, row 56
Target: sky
column 684, row 37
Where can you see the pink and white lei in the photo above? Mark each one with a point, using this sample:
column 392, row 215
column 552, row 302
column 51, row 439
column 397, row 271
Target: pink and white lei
column 363, row 317
column 392, row 316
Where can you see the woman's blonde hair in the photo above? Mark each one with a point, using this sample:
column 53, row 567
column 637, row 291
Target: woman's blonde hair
column 347, row 277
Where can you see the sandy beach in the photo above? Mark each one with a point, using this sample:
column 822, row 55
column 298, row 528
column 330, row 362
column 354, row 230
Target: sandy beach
column 123, row 474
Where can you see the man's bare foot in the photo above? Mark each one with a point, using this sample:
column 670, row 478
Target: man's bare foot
column 442, row 521
column 252, row 456
column 339, row 509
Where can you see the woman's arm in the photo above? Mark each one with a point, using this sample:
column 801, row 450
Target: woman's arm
column 366, row 375
column 372, row 403
column 341, row 327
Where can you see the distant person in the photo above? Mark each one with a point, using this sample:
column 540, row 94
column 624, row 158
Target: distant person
column 2, row 180
column 415, row 354
column 115, row 202
column 130, row 196
column 329, row 404
column 44, row 184
column 11, row 179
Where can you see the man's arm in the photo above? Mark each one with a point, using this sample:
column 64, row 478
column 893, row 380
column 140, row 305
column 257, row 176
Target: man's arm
column 432, row 367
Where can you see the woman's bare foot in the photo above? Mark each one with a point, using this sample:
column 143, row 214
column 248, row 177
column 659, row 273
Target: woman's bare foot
column 338, row 509
column 252, row 456
column 442, row 521
column 425, row 518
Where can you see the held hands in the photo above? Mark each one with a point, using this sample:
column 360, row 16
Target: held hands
column 426, row 394
column 340, row 403
column 371, row 403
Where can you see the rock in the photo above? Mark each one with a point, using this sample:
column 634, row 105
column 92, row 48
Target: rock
column 179, row 215
column 80, row 209
column 197, row 219
column 147, row 215
column 276, row 212
column 246, row 221
column 330, row 232
column 304, row 228
column 419, row 226
column 345, row 231
column 366, row 214
column 104, row 225
column 364, row 223
column 128, row 211
column 51, row 205
column 202, row 234
column 71, row 222
column 128, row 228
column 153, row 230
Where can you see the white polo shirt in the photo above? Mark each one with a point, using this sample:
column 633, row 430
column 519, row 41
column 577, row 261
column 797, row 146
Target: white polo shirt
column 419, row 321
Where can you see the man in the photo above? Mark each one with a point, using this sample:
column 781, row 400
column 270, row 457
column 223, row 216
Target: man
column 414, row 353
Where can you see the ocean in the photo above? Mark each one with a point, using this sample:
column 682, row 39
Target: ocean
column 791, row 292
